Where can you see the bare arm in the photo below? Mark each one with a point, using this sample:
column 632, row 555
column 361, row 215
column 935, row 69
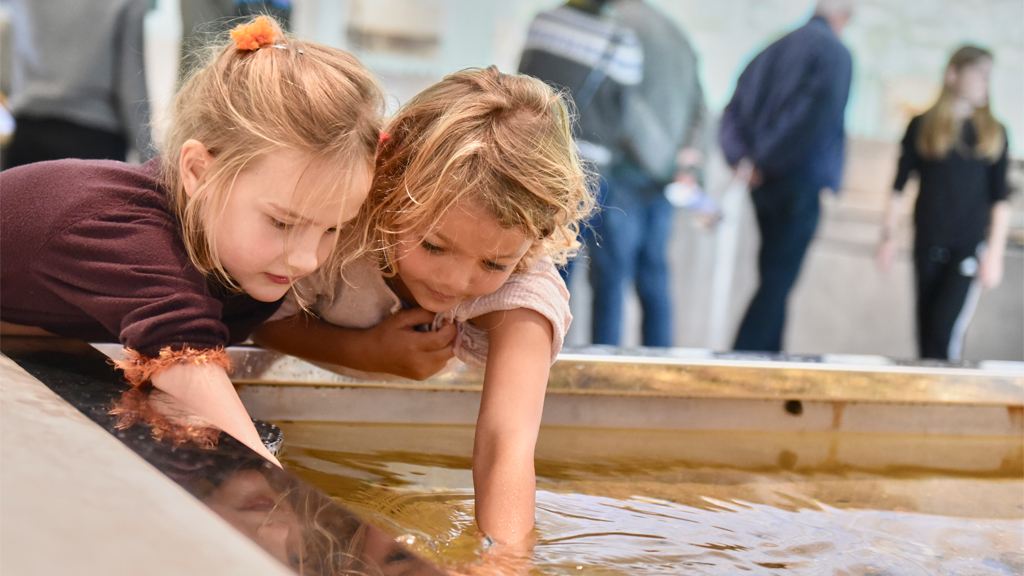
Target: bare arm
column 991, row 271
column 518, row 363
column 887, row 241
column 391, row 347
column 206, row 390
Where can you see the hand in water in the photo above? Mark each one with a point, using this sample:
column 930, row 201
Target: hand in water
column 502, row 559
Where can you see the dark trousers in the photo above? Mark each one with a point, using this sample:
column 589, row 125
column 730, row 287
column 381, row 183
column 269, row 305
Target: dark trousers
column 787, row 215
column 628, row 245
column 947, row 293
column 40, row 139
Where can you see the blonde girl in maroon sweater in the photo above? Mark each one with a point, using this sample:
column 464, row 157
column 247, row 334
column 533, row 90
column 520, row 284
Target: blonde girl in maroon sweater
column 270, row 150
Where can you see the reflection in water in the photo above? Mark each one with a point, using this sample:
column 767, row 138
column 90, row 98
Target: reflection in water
column 690, row 518
column 248, row 502
column 295, row 522
column 302, row 528
column 292, row 520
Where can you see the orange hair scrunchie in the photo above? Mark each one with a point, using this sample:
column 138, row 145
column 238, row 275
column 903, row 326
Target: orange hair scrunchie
column 255, row 35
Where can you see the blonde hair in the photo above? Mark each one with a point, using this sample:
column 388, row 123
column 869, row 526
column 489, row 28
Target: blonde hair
column 502, row 140
column 940, row 132
column 245, row 104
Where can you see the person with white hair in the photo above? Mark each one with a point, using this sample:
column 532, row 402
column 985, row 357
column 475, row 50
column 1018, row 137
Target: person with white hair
column 783, row 132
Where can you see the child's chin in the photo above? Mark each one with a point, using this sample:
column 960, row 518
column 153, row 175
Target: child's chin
column 438, row 307
column 266, row 294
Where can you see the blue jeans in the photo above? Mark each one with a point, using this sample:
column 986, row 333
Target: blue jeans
column 628, row 245
column 787, row 215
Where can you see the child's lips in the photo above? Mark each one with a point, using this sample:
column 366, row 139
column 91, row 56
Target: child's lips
column 279, row 279
column 259, row 504
column 441, row 296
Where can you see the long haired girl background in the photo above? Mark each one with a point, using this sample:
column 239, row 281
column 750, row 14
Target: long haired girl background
column 961, row 219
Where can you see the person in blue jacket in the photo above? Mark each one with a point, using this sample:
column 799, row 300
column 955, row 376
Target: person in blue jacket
column 783, row 132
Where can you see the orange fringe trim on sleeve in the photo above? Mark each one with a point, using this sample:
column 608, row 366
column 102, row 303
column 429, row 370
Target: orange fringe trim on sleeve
column 255, row 35
column 134, row 406
column 139, row 369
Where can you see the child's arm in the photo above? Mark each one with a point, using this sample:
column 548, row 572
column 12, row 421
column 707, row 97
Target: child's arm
column 515, row 380
column 206, row 390
column 392, row 347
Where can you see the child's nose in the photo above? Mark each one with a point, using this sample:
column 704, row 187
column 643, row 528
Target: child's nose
column 303, row 258
column 460, row 279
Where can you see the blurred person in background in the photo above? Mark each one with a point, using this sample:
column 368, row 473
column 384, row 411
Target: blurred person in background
column 633, row 76
column 78, row 87
column 783, row 132
column 961, row 219
column 203, row 22
column 577, row 47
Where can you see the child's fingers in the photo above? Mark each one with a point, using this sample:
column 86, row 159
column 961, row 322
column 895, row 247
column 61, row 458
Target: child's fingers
column 427, row 363
column 413, row 317
column 438, row 359
column 443, row 337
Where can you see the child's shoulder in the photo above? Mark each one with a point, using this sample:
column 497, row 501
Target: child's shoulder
column 101, row 204
column 540, row 287
column 360, row 299
column 92, row 185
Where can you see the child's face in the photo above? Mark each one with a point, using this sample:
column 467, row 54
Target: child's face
column 272, row 233
column 467, row 255
column 248, row 502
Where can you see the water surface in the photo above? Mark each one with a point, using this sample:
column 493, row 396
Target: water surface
column 645, row 503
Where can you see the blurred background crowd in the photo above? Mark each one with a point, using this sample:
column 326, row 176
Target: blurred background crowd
column 117, row 63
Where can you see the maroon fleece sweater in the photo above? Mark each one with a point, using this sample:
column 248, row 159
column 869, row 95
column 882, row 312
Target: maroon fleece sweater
column 90, row 249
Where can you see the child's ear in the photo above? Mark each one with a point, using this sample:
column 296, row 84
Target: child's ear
column 195, row 159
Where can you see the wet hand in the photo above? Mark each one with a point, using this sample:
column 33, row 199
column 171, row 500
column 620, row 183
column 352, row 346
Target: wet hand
column 406, row 351
column 502, row 559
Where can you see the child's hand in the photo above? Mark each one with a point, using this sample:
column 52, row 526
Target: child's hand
column 503, row 560
column 407, row 352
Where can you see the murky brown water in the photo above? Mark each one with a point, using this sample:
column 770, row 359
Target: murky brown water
column 639, row 503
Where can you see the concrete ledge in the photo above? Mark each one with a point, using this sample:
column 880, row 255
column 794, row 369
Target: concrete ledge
column 382, row 405
column 77, row 501
column 690, row 373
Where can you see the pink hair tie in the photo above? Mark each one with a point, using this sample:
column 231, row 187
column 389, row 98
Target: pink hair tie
column 383, row 136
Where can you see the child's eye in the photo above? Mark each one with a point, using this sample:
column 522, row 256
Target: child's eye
column 433, row 248
column 332, row 230
column 397, row 556
column 495, row 266
column 277, row 223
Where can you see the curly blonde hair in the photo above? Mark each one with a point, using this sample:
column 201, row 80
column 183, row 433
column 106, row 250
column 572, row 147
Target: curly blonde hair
column 502, row 140
column 244, row 104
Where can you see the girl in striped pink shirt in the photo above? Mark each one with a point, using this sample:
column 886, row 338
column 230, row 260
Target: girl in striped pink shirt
column 478, row 194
